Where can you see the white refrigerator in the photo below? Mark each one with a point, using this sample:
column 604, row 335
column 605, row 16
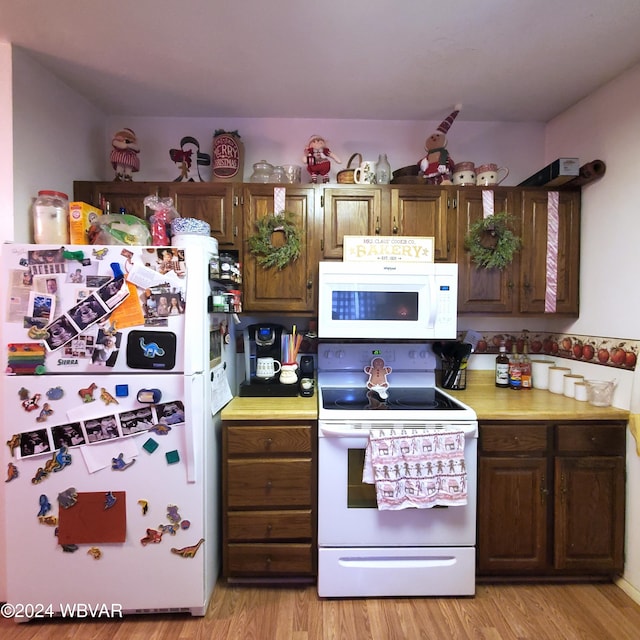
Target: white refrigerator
column 114, row 378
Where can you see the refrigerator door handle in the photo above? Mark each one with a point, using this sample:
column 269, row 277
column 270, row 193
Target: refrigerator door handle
column 194, row 424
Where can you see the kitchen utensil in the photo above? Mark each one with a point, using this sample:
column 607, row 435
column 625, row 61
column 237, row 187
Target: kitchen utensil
column 600, row 392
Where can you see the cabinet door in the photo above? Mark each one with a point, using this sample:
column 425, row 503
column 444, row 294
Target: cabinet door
column 512, row 515
column 589, row 514
column 348, row 211
column 421, row 211
column 533, row 263
column 127, row 195
column 484, row 290
column 293, row 288
column 213, row 202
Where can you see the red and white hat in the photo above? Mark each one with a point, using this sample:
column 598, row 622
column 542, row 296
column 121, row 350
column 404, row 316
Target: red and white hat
column 448, row 121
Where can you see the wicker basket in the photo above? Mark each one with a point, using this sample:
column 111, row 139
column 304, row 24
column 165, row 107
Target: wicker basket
column 346, row 176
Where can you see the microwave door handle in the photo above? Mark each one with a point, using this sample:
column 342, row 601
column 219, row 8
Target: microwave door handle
column 433, row 303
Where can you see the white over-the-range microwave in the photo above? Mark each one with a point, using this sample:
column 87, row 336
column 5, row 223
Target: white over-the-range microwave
column 406, row 301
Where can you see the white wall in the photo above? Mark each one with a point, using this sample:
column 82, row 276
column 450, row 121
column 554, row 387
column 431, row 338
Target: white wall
column 606, row 126
column 6, row 142
column 520, row 147
column 58, row 135
column 6, row 227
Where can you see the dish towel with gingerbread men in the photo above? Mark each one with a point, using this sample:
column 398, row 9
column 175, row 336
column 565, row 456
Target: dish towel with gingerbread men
column 413, row 467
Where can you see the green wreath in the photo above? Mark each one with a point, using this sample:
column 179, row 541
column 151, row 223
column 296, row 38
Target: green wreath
column 491, row 242
column 260, row 244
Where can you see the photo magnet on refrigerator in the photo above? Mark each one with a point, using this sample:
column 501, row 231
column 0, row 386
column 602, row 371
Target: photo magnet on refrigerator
column 154, row 350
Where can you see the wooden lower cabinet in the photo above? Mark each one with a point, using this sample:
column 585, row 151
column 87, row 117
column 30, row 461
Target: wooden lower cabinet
column 269, row 501
column 551, row 499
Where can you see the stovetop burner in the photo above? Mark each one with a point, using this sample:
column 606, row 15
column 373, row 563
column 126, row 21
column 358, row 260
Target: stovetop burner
column 398, row 399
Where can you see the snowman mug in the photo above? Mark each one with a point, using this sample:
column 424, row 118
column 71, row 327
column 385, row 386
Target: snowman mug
column 464, row 174
column 489, row 174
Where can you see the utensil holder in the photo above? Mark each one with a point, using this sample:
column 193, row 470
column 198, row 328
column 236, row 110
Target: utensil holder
column 452, row 377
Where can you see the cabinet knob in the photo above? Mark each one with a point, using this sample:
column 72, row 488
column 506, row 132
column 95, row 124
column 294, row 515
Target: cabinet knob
column 395, row 226
column 378, row 226
column 268, row 485
column 309, row 283
column 269, row 528
column 268, row 442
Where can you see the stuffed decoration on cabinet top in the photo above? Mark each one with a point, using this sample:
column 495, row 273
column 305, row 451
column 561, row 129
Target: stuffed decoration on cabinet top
column 124, row 154
column 437, row 165
column 189, row 159
column 317, row 157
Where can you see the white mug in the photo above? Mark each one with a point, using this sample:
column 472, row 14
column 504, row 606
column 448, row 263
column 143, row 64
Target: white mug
column 489, row 174
column 267, row 368
column 365, row 173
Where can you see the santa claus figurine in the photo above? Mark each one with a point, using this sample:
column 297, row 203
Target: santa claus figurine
column 437, row 165
column 124, row 154
column 317, row 157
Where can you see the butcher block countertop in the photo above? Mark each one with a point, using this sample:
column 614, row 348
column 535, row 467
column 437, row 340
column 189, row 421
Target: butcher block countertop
column 489, row 402
column 251, row 408
column 492, row 403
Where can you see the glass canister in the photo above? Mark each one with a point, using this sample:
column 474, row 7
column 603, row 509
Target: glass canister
column 261, row 172
column 50, row 213
column 278, row 175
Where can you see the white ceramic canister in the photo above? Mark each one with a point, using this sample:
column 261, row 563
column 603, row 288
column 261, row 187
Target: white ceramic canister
column 580, row 390
column 540, row 373
column 569, row 384
column 556, row 378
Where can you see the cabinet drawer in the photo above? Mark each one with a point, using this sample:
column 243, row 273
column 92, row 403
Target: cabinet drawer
column 600, row 439
column 517, row 438
column 269, row 525
column 261, row 440
column 269, row 559
column 268, row 482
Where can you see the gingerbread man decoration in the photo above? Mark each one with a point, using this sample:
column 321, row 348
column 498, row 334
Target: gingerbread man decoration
column 378, row 377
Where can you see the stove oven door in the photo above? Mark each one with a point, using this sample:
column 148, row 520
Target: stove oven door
column 347, row 508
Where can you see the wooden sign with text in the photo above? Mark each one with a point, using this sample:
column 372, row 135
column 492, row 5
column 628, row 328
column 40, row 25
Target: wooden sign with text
column 388, row 249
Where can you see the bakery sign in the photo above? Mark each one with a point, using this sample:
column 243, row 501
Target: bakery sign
column 388, row 249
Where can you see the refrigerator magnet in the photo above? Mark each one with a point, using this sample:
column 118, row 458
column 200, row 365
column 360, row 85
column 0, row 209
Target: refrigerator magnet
column 14, row 443
column 144, row 505
column 188, row 552
column 173, row 457
column 45, row 505
column 118, row 464
column 153, row 536
column 109, row 500
column 12, row 472
column 155, row 350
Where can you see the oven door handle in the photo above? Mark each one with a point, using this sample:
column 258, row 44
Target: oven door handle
column 343, row 431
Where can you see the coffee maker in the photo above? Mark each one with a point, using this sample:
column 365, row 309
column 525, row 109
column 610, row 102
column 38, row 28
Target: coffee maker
column 263, row 340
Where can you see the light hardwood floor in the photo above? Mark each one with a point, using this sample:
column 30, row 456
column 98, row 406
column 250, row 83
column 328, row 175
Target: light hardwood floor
column 498, row 612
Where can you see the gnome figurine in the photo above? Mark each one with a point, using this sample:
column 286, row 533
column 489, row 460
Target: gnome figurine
column 124, row 154
column 437, row 165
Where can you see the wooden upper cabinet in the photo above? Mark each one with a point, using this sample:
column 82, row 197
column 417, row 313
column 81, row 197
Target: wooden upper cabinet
column 293, row 288
column 355, row 211
column 422, row 211
column 534, row 277
column 127, row 195
column 484, row 290
column 213, row 202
